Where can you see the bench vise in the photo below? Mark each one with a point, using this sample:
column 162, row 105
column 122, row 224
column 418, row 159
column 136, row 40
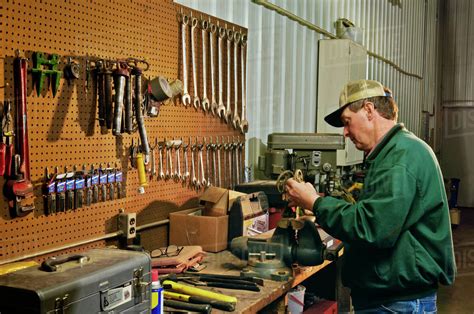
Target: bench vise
column 293, row 241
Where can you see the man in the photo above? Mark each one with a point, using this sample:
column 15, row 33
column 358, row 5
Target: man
column 397, row 236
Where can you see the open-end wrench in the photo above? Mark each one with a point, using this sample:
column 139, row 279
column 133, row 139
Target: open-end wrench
column 203, row 182
column 194, row 180
column 169, row 160
column 221, row 107
column 186, row 167
column 225, row 146
column 177, row 152
column 160, row 151
column 205, row 101
column 236, row 118
column 153, row 159
column 244, row 125
column 212, row 36
column 196, row 100
column 241, row 162
column 208, row 163
column 229, row 158
column 236, row 161
column 228, row 110
column 214, row 162
column 218, row 148
column 185, row 98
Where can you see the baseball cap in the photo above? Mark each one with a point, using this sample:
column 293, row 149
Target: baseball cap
column 354, row 91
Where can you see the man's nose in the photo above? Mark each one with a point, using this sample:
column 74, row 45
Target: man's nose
column 346, row 132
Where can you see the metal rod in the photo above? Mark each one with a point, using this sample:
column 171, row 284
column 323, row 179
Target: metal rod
column 153, row 224
column 319, row 30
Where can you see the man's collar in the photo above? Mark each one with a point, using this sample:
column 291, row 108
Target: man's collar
column 387, row 137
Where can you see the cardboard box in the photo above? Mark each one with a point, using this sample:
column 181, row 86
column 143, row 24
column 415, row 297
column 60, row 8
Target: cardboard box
column 190, row 227
column 205, row 226
column 218, row 201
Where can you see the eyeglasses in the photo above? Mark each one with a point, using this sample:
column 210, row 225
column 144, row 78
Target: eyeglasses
column 169, row 251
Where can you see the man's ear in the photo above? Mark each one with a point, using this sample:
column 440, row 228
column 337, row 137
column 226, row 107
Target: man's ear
column 369, row 109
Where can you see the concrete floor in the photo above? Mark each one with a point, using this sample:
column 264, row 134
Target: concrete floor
column 459, row 298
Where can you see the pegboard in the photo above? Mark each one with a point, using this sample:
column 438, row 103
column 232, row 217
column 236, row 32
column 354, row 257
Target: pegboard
column 64, row 130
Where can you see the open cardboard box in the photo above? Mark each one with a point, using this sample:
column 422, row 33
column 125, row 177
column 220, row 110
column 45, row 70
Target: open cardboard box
column 206, row 226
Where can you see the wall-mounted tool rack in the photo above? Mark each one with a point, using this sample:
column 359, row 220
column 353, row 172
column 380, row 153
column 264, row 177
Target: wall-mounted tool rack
column 64, row 130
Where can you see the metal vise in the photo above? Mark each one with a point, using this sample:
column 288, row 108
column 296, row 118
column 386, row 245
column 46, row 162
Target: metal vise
column 294, row 241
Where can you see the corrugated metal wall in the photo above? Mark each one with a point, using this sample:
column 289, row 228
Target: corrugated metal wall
column 457, row 150
column 282, row 57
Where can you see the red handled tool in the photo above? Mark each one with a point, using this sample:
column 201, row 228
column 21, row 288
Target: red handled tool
column 18, row 189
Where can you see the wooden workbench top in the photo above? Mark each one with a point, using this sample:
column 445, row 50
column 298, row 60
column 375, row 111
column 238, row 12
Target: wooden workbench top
column 248, row 301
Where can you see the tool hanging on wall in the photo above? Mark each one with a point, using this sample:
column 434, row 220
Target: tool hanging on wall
column 8, row 133
column 99, row 66
column 244, row 125
column 60, row 190
column 49, row 192
column 72, row 70
column 120, row 75
column 39, row 73
column 137, row 73
column 18, row 189
column 5, row 119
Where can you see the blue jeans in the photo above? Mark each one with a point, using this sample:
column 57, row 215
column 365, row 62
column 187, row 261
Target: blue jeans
column 426, row 305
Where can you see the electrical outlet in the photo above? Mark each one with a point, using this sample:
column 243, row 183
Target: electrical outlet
column 127, row 223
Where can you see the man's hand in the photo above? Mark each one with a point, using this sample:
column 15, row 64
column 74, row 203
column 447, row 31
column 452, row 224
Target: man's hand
column 301, row 194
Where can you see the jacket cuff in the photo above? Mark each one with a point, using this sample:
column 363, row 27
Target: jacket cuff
column 316, row 204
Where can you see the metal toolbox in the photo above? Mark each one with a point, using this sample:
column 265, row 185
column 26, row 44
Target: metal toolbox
column 96, row 281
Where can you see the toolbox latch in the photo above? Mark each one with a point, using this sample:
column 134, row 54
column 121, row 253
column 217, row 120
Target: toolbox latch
column 140, row 286
column 59, row 304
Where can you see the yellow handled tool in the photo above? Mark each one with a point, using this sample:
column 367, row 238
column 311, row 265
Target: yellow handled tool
column 198, row 292
column 141, row 170
column 221, row 305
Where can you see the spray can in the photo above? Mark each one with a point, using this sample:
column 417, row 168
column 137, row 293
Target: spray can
column 156, row 293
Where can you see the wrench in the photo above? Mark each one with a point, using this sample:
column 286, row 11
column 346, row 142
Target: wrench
column 236, row 158
column 229, row 156
column 208, row 170
column 244, row 125
column 221, row 107
column 205, row 100
column 218, row 148
column 160, row 151
column 194, row 180
column 203, row 182
column 169, row 160
column 225, row 147
column 185, row 98
column 228, row 111
column 236, row 119
column 196, row 101
column 186, row 168
column 213, row 29
column 153, row 159
column 214, row 165
column 177, row 148
column 241, row 163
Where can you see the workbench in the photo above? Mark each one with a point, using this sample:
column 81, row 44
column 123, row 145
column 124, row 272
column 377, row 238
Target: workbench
column 327, row 281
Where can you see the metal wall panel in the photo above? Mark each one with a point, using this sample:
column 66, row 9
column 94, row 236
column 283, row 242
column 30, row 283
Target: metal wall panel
column 458, row 95
column 282, row 57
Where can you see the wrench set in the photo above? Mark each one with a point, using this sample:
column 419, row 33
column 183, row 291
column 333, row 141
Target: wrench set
column 232, row 43
column 75, row 189
column 183, row 161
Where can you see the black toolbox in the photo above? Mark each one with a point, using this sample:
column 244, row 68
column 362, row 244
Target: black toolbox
column 96, row 281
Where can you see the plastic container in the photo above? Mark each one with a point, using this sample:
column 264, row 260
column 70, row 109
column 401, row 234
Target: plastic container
column 296, row 300
column 156, row 293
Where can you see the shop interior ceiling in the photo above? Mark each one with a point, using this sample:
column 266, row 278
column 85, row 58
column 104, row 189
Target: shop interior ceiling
column 283, row 58
column 64, row 131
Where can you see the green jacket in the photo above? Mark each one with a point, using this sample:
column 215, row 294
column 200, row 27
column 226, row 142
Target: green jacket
column 397, row 237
